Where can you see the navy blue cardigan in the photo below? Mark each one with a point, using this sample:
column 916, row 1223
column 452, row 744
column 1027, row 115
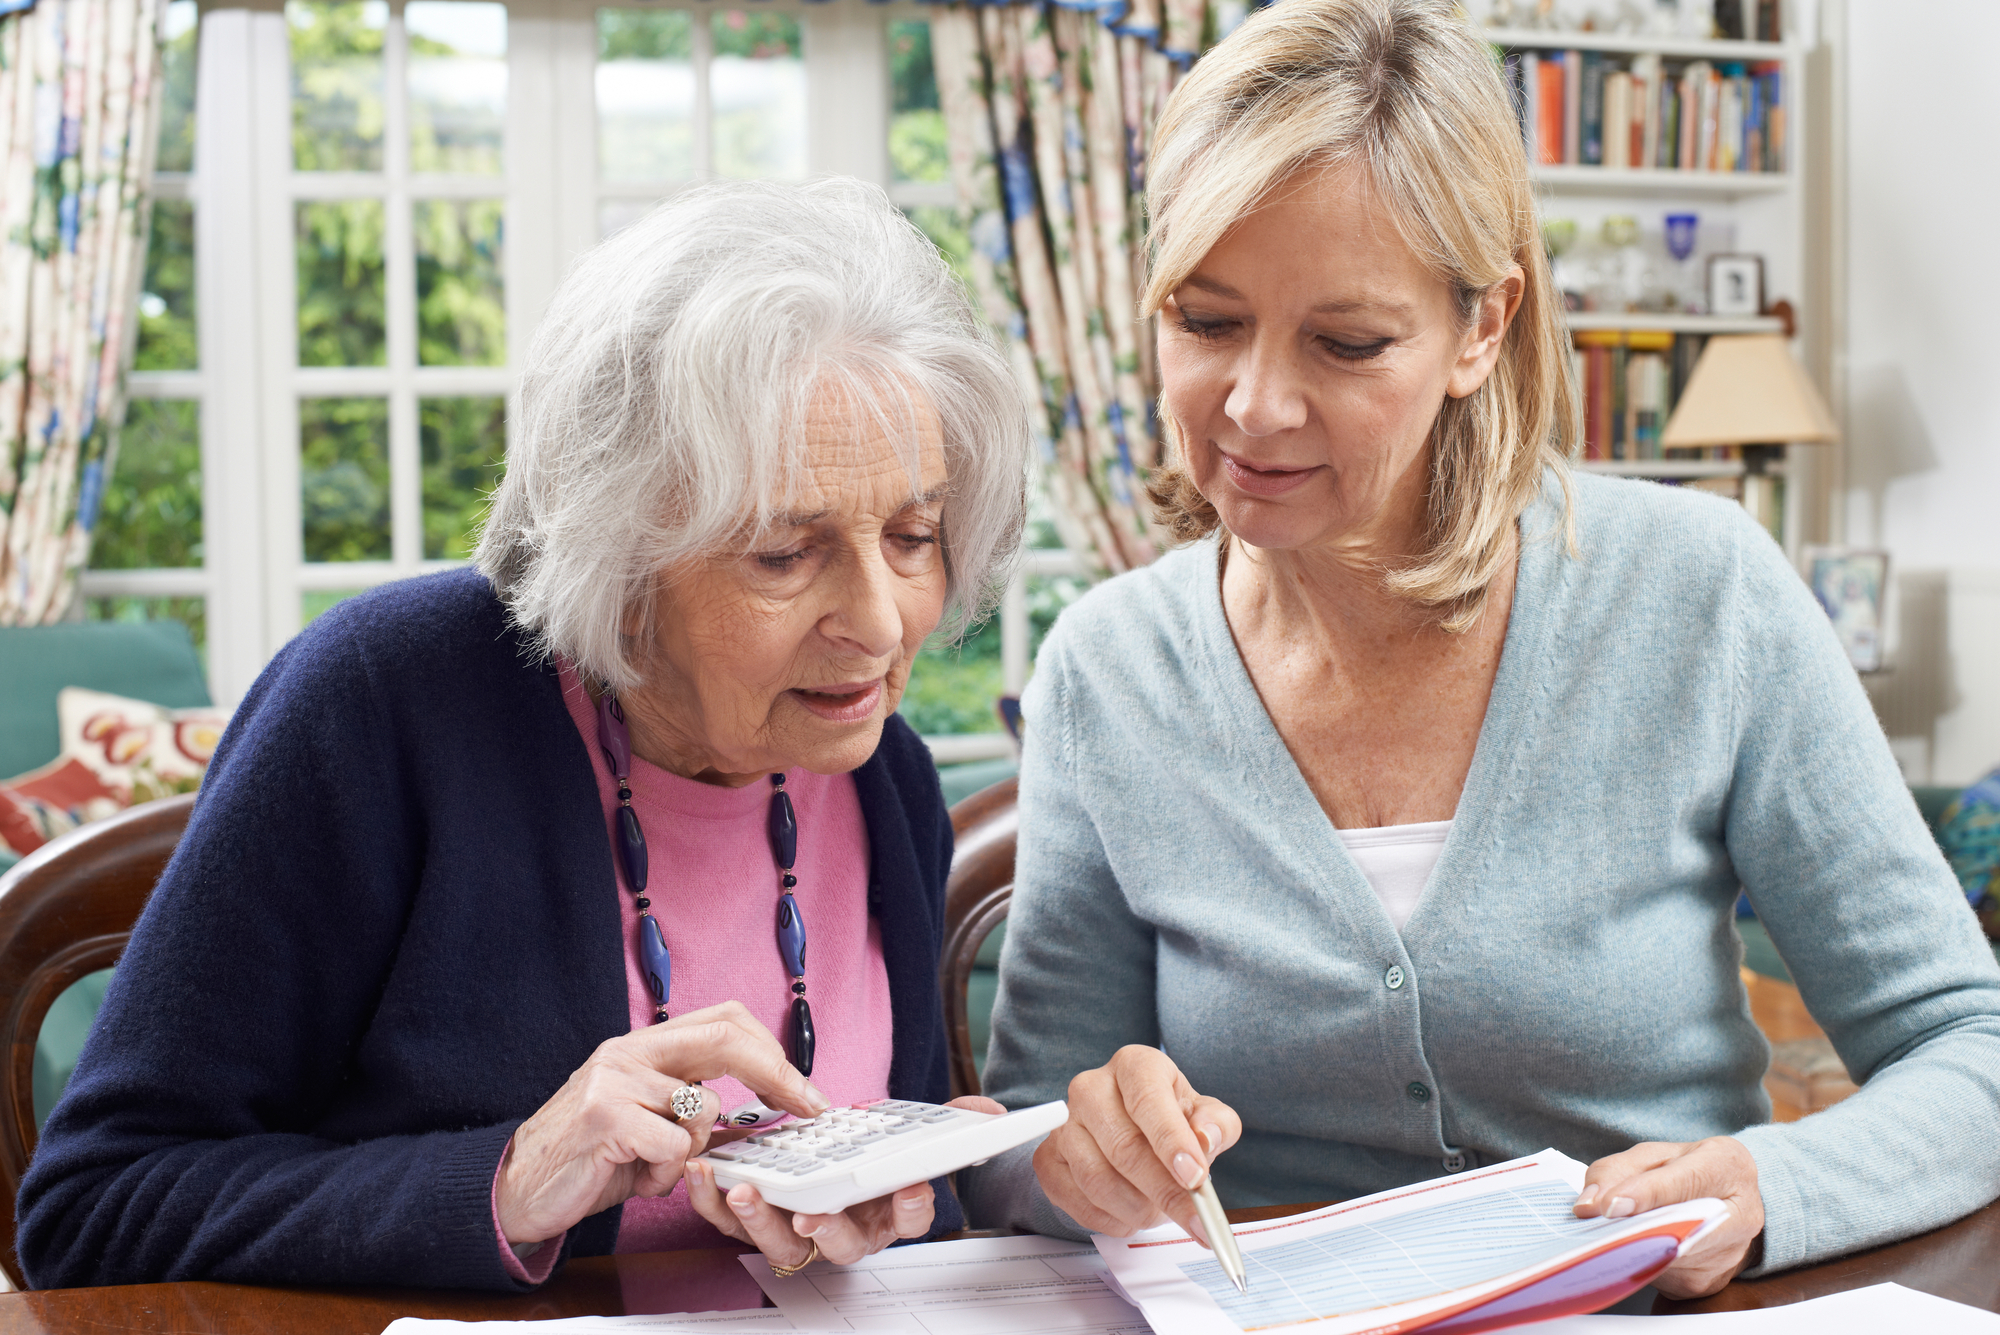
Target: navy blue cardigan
column 389, row 934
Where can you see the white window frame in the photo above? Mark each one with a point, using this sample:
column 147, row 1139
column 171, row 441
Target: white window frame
column 250, row 384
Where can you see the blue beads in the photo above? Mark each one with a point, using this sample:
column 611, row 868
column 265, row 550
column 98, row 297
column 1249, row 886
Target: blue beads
column 802, row 1038
column 791, row 936
column 613, row 737
column 784, row 830
column 654, row 962
column 632, row 848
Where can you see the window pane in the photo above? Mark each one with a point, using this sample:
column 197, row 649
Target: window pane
column 461, row 312
column 645, row 95
column 464, row 448
column 344, row 479
column 315, row 601
column 757, row 89
column 916, row 126
column 177, row 51
column 458, row 85
column 956, row 690
column 151, row 512
column 337, row 83
column 166, row 306
column 340, row 283
column 190, row 612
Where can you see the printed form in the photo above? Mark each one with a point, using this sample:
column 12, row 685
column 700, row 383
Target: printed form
column 974, row 1286
column 1394, row 1260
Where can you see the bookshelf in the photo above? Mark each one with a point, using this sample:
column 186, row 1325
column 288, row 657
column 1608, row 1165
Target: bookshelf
column 1757, row 211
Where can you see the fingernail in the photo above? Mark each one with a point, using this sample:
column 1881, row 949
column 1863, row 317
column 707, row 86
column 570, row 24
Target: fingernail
column 800, row 1230
column 1589, row 1195
column 1187, row 1171
column 1211, row 1138
column 816, row 1101
column 1620, row 1207
column 912, row 1204
column 741, row 1207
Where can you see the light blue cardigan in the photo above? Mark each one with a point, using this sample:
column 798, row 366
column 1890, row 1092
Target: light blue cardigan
column 1672, row 716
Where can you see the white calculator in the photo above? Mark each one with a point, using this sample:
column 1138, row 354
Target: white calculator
column 849, row 1155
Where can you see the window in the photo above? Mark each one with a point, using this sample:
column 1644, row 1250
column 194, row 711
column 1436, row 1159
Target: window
column 389, row 191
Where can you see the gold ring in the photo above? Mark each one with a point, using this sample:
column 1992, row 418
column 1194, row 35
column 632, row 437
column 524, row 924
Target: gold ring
column 787, row 1271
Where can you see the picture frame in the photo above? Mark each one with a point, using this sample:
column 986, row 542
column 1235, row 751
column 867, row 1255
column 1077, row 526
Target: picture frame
column 1736, row 285
column 1851, row 584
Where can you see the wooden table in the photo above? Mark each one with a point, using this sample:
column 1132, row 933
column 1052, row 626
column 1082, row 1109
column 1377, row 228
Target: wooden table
column 1960, row 1261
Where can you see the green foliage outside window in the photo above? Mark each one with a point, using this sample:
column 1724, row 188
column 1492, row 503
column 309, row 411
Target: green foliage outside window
column 464, row 445
column 757, row 36
column 166, row 306
column 461, row 311
column 341, row 284
column 151, row 512
column 337, row 105
column 639, row 34
column 344, row 479
column 916, row 126
column 177, row 60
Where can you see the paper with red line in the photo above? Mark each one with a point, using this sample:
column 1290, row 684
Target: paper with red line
column 1396, row 1261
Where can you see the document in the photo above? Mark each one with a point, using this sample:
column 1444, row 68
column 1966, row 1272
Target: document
column 1398, row 1259
column 751, row 1321
column 974, row 1286
column 1869, row 1311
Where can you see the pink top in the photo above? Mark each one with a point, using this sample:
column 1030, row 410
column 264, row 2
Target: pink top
column 714, row 888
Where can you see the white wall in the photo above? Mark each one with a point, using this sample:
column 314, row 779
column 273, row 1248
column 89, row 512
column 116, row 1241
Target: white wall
column 1923, row 361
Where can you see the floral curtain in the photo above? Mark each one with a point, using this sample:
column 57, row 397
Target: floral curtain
column 78, row 105
column 1049, row 110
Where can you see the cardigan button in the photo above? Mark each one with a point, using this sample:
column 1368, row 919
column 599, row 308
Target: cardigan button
column 1454, row 1163
column 1420, row 1092
column 1394, row 978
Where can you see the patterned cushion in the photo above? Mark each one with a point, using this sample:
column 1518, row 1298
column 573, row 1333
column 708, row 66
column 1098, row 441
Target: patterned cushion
column 116, row 751
column 53, row 800
column 139, row 748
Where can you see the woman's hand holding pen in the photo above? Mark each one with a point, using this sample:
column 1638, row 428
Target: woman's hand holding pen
column 607, row 1134
column 1658, row 1173
column 1138, row 1140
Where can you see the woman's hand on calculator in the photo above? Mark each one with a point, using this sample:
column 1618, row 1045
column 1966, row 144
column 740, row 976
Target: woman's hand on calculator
column 787, row 1239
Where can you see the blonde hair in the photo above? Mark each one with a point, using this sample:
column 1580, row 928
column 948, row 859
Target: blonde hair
column 1408, row 92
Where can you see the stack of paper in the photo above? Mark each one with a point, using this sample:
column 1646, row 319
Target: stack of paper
column 1414, row 1256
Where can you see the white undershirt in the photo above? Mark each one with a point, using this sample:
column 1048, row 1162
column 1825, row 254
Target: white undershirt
column 1397, row 860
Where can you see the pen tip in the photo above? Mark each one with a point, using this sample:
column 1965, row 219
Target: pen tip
column 1242, row 1284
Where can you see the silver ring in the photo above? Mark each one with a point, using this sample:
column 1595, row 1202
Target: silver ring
column 686, row 1104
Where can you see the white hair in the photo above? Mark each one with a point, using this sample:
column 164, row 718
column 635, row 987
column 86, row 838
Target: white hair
column 661, row 414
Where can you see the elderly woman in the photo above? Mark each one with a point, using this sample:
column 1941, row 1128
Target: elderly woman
column 1394, row 827
column 495, row 865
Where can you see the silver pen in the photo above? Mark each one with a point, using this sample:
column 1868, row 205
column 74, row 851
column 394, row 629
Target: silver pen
column 1221, row 1238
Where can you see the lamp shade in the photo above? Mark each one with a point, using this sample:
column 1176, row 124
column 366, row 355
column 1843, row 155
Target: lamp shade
column 1747, row 390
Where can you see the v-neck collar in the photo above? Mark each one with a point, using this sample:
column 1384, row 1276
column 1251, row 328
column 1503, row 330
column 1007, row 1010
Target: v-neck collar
column 1494, row 777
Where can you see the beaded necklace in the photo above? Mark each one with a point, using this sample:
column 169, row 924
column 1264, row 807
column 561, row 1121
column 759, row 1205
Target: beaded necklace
column 655, row 964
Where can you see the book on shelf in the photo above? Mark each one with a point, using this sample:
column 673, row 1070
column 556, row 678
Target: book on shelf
column 1595, row 109
column 1631, row 380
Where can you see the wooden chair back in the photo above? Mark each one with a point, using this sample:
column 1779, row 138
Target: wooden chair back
column 65, row 911
column 975, row 902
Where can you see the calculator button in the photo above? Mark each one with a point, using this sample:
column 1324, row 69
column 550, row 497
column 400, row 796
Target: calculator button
column 843, row 1153
column 939, row 1115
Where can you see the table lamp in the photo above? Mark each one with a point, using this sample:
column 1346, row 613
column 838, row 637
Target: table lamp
column 1747, row 390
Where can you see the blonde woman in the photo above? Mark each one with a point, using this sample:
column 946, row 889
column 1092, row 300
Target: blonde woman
column 1392, row 826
